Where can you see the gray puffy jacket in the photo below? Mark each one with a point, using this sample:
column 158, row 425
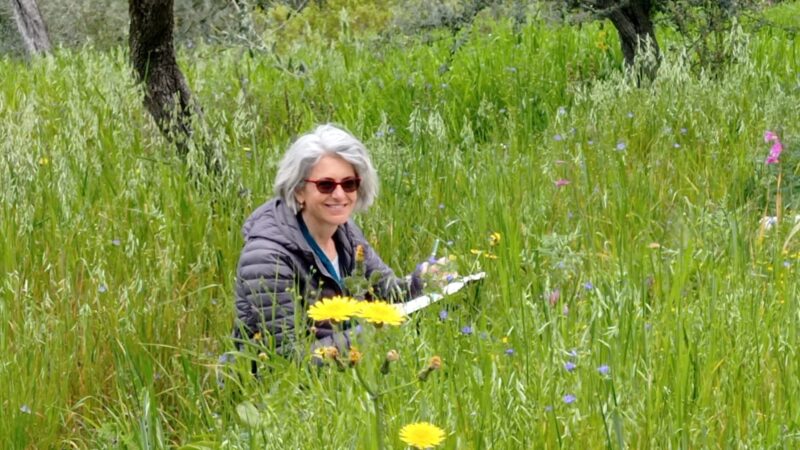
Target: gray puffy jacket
column 279, row 277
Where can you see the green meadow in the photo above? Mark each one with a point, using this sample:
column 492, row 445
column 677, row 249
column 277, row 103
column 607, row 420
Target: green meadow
column 634, row 298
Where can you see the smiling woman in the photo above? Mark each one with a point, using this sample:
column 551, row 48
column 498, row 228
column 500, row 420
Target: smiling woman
column 299, row 246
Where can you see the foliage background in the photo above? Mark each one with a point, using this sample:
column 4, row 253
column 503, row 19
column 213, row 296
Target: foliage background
column 118, row 259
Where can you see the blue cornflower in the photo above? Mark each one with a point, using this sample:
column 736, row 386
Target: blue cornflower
column 569, row 398
column 443, row 314
column 25, row 408
column 558, row 138
column 604, row 369
column 466, row 329
column 588, row 286
column 569, row 366
column 510, row 351
column 102, row 288
column 621, row 145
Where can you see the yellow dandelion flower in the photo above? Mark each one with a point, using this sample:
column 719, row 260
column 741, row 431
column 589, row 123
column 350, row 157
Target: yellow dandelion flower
column 494, row 238
column 422, row 435
column 43, row 161
column 504, row 340
column 475, row 251
column 380, row 313
column 336, row 308
column 490, row 256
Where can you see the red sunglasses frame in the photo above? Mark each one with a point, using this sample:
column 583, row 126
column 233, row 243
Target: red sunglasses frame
column 355, row 180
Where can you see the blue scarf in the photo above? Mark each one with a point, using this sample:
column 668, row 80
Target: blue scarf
column 318, row 251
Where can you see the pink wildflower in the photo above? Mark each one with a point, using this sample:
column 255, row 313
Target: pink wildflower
column 776, row 149
column 562, row 182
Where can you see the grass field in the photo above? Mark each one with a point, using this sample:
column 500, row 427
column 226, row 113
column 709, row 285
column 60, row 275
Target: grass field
column 633, row 299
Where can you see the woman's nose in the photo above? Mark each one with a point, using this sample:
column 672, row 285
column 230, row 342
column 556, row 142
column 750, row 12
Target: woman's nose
column 339, row 191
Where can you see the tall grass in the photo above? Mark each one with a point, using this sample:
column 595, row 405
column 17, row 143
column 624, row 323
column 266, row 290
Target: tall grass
column 118, row 264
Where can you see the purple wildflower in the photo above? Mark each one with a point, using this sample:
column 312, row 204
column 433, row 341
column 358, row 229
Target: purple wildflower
column 621, row 145
column 569, row 399
column 102, row 288
column 558, row 138
column 604, row 369
column 562, row 182
column 466, row 329
column 443, row 315
column 510, row 352
column 588, row 286
column 569, row 366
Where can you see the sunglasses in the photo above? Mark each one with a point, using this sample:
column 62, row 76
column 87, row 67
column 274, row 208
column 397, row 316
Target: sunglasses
column 328, row 185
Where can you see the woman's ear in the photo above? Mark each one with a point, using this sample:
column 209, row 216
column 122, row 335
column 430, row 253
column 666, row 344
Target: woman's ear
column 300, row 197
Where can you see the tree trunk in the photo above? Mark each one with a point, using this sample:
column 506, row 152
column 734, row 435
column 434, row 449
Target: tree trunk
column 31, row 26
column 637, row 35
column 167, row 96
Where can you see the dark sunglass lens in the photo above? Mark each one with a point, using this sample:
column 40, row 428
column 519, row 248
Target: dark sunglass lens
column 326, row 186
column 350, row 184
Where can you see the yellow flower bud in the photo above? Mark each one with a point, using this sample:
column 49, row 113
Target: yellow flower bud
column 359, row 254
column 354, row 356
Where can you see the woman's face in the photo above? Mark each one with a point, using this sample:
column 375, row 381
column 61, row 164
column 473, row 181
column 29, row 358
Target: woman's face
column 333, row 209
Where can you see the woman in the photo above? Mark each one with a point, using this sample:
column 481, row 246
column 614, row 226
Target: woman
column 299, row 246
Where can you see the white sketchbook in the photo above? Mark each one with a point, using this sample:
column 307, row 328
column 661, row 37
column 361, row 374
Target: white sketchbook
column 424, row 301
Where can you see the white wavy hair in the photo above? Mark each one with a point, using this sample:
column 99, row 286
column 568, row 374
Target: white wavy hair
column 306, row 152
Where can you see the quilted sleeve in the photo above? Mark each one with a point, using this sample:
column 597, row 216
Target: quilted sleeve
column 266, row 289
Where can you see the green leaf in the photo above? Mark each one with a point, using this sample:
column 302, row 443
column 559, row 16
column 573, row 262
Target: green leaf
column 248, row 414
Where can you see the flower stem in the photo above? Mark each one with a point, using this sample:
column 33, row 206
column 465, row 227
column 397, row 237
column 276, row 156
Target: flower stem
column 376, row 401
